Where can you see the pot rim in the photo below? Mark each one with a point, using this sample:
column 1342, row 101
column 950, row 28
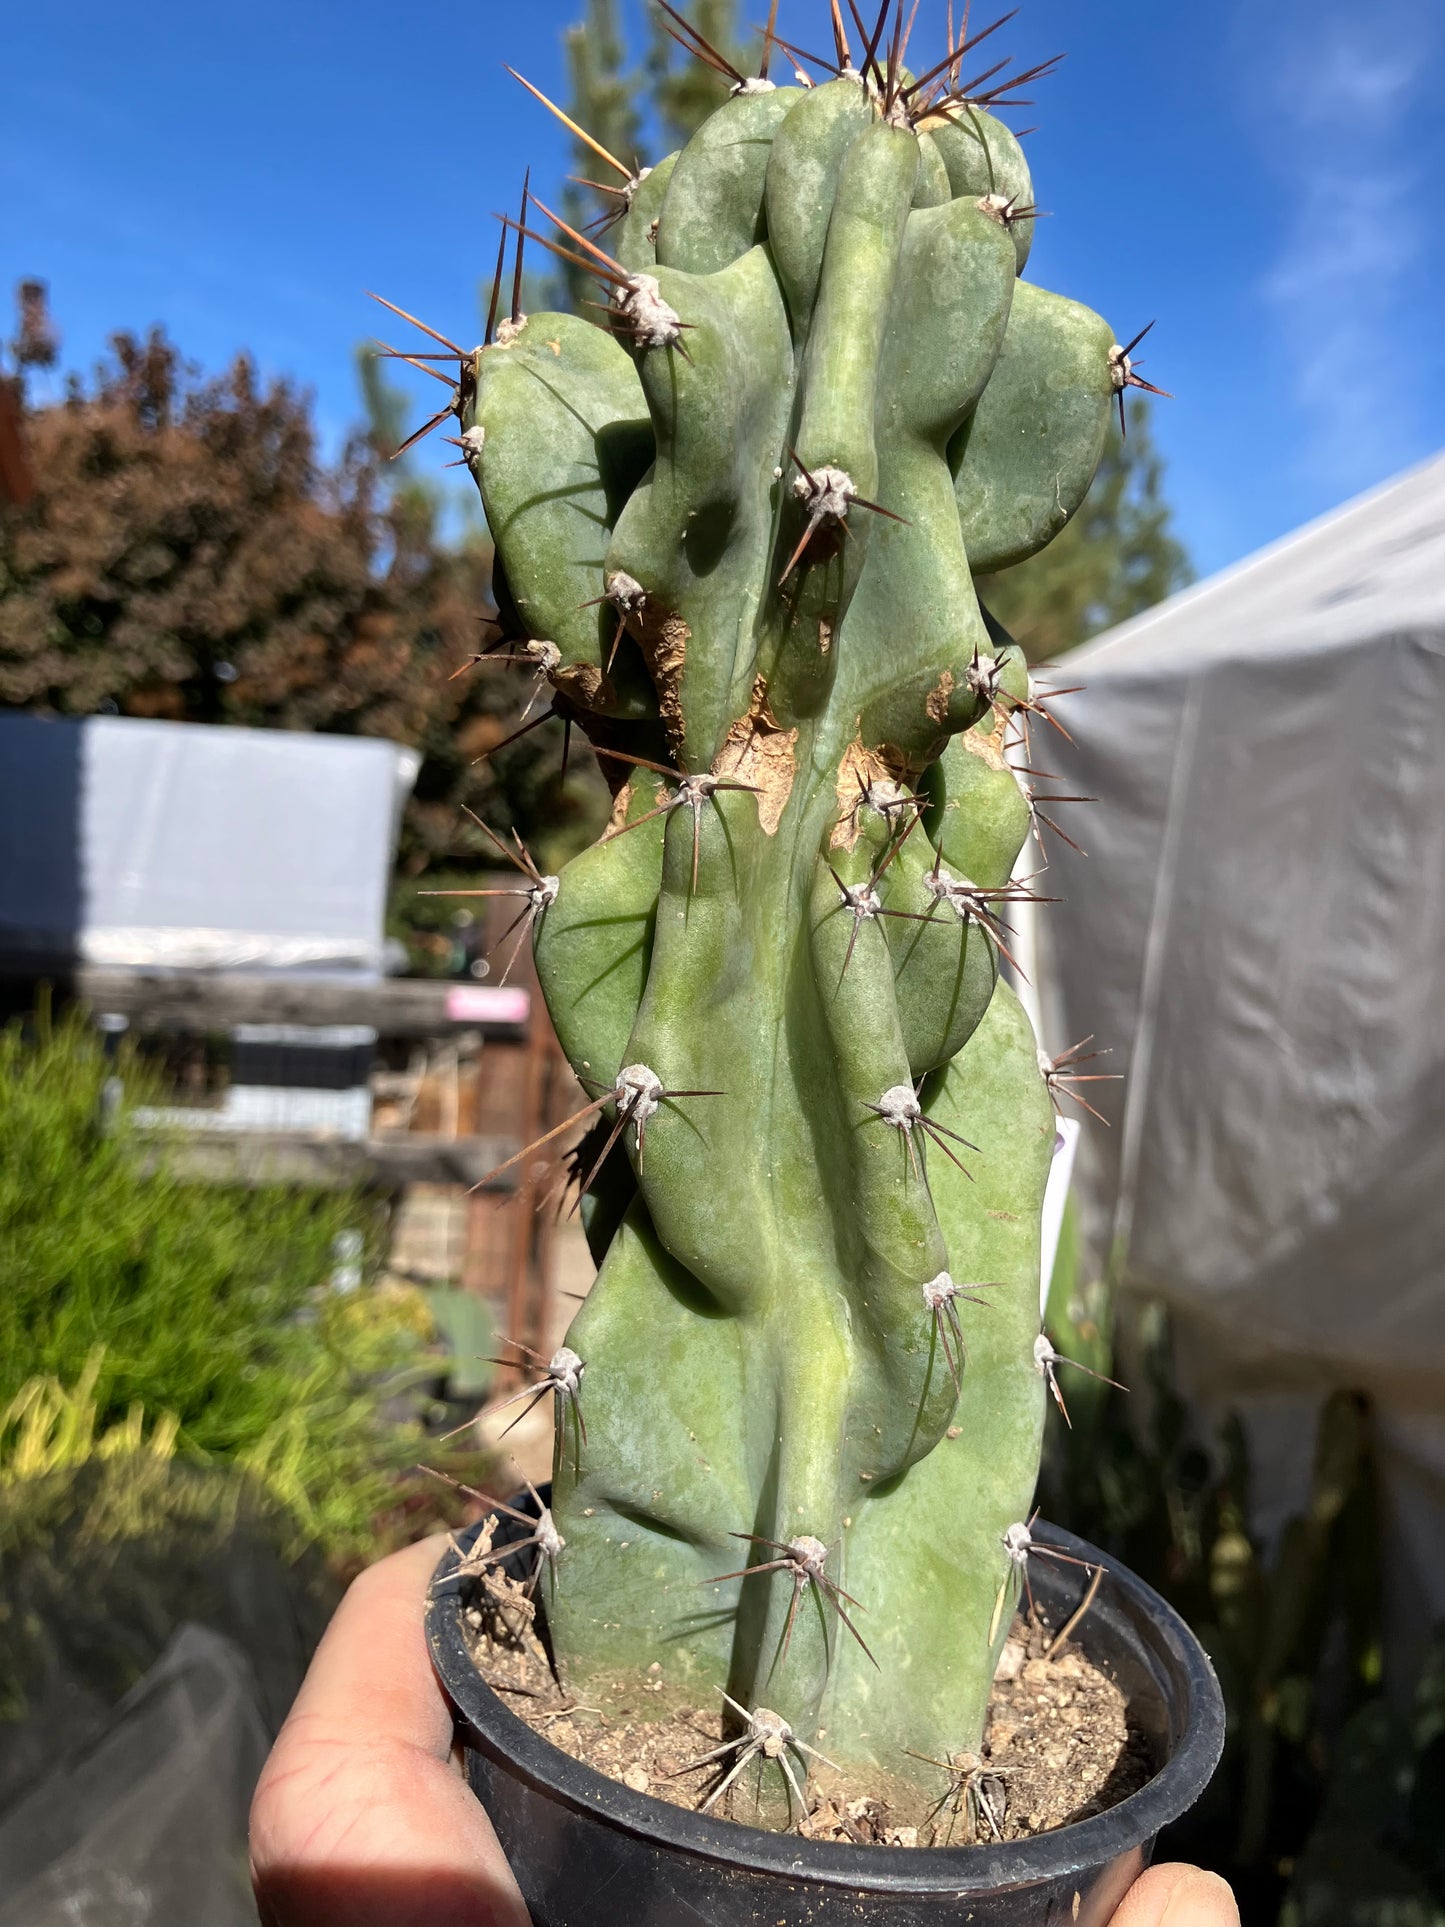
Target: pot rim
column 956, row 1871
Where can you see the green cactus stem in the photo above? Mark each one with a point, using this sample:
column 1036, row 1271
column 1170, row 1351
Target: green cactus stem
column 746, row 513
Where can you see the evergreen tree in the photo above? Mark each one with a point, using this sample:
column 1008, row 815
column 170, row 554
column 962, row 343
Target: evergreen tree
column 681, row 92
column 642, row 112
column 603, row 99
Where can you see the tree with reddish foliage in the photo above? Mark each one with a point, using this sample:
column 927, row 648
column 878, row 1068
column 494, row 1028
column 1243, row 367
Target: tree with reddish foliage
column 188, row 554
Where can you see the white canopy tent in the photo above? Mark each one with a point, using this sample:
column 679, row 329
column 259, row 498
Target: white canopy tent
column 156, row 845
column 1258, row 934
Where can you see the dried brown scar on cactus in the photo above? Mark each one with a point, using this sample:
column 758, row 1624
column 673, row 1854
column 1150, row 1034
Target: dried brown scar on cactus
column 866, row 777
column 758, row 752
column 581, row 682
column 990, row 745
column 662, row 637
column 937, row 700
column 665, row 650
column 621, row 804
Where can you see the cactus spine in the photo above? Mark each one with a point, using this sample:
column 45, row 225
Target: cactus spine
column 745, row 518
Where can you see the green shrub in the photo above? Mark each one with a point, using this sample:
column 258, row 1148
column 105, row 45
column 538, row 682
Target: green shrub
column 202, row 1307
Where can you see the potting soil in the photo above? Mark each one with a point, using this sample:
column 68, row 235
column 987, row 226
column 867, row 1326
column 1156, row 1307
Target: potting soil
column 1059, row 1745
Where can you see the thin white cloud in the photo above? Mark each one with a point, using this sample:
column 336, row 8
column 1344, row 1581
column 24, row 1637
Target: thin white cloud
column 1346, row 71
column 1335, row 105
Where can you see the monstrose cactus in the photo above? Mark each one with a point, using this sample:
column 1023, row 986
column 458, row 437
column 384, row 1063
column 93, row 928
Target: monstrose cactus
column 738, row 516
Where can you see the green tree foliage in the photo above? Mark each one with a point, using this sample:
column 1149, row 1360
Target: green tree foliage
column 681, row 91
column 640, row 112
column 1119, row 555
column 189, row 554
column 603, row 98
column 656, row 105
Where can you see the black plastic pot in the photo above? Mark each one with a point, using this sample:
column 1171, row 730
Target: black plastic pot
column 589, row 1852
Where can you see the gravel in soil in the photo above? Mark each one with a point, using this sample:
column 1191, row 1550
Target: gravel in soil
column 1058, row 1745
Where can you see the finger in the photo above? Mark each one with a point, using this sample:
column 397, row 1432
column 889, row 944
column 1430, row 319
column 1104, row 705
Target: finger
column 1178, row 1896
column 359, row 1819
column 374, row 1655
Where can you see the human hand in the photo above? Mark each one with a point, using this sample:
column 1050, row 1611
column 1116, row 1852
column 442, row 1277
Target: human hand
column 360, row 1817
column 1174, row 1895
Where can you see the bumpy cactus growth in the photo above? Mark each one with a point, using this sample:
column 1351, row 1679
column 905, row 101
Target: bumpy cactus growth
column 737, row 528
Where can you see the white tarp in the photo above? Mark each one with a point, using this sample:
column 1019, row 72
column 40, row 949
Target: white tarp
column 1258, row 933
column 135, row 844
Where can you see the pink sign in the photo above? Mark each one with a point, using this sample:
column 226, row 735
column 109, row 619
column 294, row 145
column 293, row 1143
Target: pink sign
column 487, row 1004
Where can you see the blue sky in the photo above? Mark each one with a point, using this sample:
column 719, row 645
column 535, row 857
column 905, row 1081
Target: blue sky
column 1261, row 178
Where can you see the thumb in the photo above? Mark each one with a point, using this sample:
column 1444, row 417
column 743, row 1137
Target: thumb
column 1178, row 1896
